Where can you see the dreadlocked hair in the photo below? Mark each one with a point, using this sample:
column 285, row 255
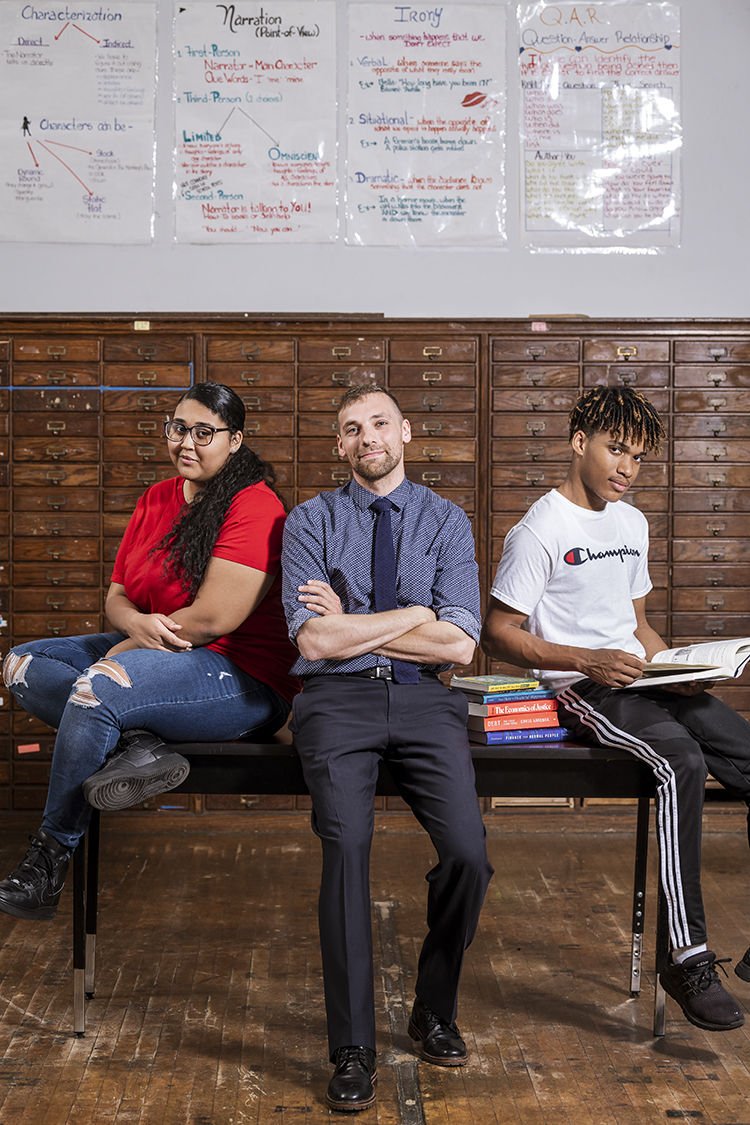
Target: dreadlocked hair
column 619, row 411
column 190, row 542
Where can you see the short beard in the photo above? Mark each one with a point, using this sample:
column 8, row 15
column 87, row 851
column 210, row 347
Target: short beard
column 370, row 471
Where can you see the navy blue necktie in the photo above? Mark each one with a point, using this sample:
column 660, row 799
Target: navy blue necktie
column 384, row 581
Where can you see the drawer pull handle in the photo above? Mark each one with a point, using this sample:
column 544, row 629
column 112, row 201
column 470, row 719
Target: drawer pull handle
column 57, row 502
column 56, row 350
column 56, row 476
column 56, row 377
column 715, row 579
column 55, row 451
column 536, row 427
column 715, row 553
column 718, row 353
column 536, row 403
column 147, row 353
column 627, row 352
column 56, row 601
column 715, row 426
column 432, row 478
column 716, row 528
column 627, row 378
column 432, row 352
column 145, row 478
column 339, row 476
column 535, row 377
column 146, row 451
column 715, row 602
column 55, row 576
column 716, row 378
column 252, row 350
column 335, row 403
column 252, row 428
column 535, row 478
column 716, row 478
column 432, row 403
column 717, row 503
column 250, row 376
column 148, row 427
column 715, row 627
column 56, row 528
column 57, row 551
column 147, row 377
column 147, row 401
column 716, row 451
column 341, row 378
column 535, row 451
column 56, row 627
column 432, row 377
column 252, row 402
column 432, row 452
column 717, row 403
column 536, row 351
column 56, row 427
column 340, row 352
column 432, row 427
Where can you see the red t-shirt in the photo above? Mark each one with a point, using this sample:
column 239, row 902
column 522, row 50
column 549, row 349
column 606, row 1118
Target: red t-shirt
column 250, row 535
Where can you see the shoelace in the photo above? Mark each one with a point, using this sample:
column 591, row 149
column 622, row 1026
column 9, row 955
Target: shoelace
column 434, row 1021
column 700, row 977
column 354, row 1054
column 37, row 865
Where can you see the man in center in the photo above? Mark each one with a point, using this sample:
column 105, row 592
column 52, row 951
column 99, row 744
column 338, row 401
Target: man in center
column 381, row 593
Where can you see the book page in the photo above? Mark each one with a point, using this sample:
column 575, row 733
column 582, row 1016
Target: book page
column 709, row 653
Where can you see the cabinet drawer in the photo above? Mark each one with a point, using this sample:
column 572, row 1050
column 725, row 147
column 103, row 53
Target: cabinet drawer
column 718, row 477
column 647, row 499
column 624, row 350
column 340, row 376
column 531, row 423
column 518, row 449
column 57, row 350
column 711, row 550
column 240, row 350
column 541, row 376
column 440, row 401
column 711, row 426
column 441, row 476
column 707, row 351
column 536, row 350
column 55, row 625
column 447, row 425
column 53, row 499
column 347, row 349
column 252, row 375
column 60, row 476
column 707, row 625
column 269, row 425
column 58, row 523
column 57, row 601
column 711, row 450
column 534, row 401
column 323, row 476
column 439, row 375
column 433, row 351
column 717, row 377
column 145, row 450
column 134, row 426
column 114, row 523
column 41, row 374
column 267, row 400
column 57, row 425
column 60, row 449
column 323, row 400
column 719, row 401
column 151, row 349
column 715, row 577
column 717, row 525
column 60, row 401
column 131, row 375
column 728, row 600
column 135, row 476
column 158, row 403
column 53, row 575
column 540, row 476
column 440, row 449
column 54, row 550
column 274, row 450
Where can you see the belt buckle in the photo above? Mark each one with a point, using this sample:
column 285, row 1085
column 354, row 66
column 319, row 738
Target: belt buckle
column 383, row 672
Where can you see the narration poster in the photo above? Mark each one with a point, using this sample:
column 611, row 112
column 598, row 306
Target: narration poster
column 425, row 135
column 255, row 107
column 77, row 83
column 600, row 126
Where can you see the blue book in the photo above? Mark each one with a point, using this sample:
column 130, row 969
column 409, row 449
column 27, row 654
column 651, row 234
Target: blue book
column 534, row 734
column 508, row 696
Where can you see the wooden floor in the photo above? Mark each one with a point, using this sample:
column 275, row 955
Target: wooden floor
column 209, row 1009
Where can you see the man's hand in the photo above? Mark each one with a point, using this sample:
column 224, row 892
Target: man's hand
column 319, row 597
column 611, row 667
column 691, row 687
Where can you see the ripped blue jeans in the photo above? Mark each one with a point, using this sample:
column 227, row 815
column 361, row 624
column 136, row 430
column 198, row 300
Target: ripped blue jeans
column 192, row 696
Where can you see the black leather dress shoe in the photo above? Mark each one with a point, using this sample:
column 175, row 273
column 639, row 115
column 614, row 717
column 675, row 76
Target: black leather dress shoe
column 440, row 1042
column 353, row 1082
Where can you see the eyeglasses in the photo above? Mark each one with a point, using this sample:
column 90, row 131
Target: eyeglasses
column 201, row 435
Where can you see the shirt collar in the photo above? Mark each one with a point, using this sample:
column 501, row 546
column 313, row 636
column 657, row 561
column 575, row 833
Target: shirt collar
column 362, row 497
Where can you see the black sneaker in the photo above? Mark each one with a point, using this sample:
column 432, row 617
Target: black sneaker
column 139, row 767
column 696, row 987
column 33, row 890
column 742, row 968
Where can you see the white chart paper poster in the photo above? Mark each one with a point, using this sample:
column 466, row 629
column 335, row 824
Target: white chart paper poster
column 77, row 85
column 600, row 126
column 425, row 136
column 255, row 105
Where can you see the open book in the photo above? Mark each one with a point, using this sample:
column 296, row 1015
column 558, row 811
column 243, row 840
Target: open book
column 714, row 660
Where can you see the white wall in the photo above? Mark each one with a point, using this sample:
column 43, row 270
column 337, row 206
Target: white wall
column 708, row 276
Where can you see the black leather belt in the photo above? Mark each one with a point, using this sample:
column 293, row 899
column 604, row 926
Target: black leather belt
column 379, row 672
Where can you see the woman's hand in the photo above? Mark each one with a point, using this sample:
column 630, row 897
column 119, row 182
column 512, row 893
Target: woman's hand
column 319, row 597
column 154, row 630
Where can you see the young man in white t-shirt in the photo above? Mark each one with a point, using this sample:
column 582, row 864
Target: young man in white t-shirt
column 568, row 600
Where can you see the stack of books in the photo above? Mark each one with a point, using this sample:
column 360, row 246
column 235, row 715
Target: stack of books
column 509, row 709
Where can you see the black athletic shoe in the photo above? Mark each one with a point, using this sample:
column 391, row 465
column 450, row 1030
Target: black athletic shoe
column 742, row 968
column 33, row 890
column 696, row 987
column 352, row 1086
column 139, row 767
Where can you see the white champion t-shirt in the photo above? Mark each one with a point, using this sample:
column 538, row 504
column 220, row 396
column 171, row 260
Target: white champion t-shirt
column 576, row 573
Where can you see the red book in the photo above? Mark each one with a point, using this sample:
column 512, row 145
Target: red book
column 513, row 722
column 519, row 707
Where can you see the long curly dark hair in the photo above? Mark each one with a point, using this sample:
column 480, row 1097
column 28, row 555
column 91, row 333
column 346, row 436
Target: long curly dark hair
column 191, row 541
